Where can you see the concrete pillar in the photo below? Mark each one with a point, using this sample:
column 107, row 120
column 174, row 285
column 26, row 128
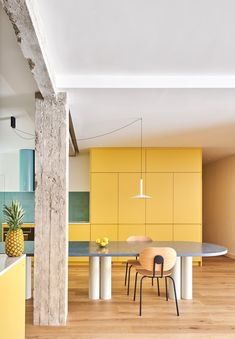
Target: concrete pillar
column 51, row 210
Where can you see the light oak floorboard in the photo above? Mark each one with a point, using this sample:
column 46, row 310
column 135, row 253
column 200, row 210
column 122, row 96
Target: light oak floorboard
column 210, row 315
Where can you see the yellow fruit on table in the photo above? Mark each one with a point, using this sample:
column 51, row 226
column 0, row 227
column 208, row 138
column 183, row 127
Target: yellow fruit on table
column 98, row 241
column 103, row 243
column 105, row 239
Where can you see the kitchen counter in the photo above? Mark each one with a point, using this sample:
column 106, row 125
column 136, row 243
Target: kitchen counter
column 7, row 263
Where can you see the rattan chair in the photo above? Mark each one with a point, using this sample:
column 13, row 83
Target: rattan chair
column 156, row 262
column 135, row 263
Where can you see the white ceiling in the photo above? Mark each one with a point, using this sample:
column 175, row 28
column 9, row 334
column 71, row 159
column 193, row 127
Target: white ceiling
column 164, row 60
column 17, row 89
column 153, row 37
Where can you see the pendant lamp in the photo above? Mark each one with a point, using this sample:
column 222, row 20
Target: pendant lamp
column 141, row 195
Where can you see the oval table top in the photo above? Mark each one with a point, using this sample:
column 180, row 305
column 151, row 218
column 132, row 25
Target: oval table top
column 125, row 249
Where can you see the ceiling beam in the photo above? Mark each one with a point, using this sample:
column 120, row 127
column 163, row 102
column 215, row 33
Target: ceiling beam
column 140, row 81
column 24, row 18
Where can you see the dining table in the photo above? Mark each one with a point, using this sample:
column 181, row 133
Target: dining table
column 100, row 262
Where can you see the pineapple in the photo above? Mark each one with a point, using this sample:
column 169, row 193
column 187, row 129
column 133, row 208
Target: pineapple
column 14, row 214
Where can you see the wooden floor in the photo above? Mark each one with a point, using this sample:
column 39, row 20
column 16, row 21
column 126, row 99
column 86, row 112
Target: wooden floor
column 211, row 314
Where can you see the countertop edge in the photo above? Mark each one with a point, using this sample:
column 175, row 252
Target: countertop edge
column 16, row 261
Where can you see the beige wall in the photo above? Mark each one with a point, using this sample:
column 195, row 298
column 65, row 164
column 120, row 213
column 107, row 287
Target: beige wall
column 219, row 203
column 79, row 176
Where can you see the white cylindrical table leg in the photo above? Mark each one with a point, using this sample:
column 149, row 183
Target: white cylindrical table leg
column 187, row 278
column 176, row 275
column 94, row 278
column 106, row 278
column 28, row 285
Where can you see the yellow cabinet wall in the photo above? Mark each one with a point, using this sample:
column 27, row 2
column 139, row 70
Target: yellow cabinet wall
column 173, row 160
column 188, row 233
column 159, row 209
column 187, row 198
column 104, row 198
column 124, row 231
column 160, row 232
column 116, row 160
column 79, row 232
column 172, row 177
column 100, row 231
column 131, row 210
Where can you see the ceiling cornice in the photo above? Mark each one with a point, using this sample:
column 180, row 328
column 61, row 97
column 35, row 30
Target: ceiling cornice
column 139, row 81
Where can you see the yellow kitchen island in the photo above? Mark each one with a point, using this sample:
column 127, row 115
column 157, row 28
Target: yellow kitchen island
column 12, row 296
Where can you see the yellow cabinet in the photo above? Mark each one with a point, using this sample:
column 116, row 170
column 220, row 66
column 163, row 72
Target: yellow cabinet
column 79, row 232
column 131, row 210
column 159, row 209
column 124, row 231
column 187, row 198
column 100, row 231
column 160, row 232
column 116, row 159
column 188, row 233
column 12, row 295
column 173, row 160
column 104, row 198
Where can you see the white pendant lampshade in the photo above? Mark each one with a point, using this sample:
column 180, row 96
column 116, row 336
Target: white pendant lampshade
column 141, row 195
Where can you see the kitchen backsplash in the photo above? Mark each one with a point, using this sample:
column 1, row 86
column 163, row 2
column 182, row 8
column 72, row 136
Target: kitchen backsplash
column 78, row 205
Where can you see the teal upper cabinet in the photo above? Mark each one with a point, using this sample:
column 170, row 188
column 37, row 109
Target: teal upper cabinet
column 27, row 170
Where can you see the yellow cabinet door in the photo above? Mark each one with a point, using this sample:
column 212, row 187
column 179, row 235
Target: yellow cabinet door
column 100, row 231
column 12, row 294
column 125, row 231
column 173, row 160
column 104, row 198
column 116, row 159
column 131, row 210
column 160, row 232
column 188, row 233
column 79, row 232
column 187, row 198
column 159, row 209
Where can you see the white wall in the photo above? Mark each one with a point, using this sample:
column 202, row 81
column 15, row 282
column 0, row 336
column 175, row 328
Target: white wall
column 79, row 169
column 79, row 178
column 219, row 203
column 9, row 172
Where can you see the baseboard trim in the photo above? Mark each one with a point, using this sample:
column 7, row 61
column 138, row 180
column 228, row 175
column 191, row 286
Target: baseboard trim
column 230, row 255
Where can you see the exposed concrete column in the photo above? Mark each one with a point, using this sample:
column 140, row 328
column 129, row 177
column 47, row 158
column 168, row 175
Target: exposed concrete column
column 51, row 211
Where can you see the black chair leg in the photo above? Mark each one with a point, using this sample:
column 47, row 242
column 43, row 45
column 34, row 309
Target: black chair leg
column 158, row 287
column 135, row 286
column 166, row 289
column 129, row 276
column 141, row 283
column 176, row 301
column 126, row 272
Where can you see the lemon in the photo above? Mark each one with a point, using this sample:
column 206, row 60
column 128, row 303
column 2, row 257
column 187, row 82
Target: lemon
column 105, row 239
column 98, row 241
column 103, row 243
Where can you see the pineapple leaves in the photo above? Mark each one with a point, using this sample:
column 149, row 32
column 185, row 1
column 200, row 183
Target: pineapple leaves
column 13, row 215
